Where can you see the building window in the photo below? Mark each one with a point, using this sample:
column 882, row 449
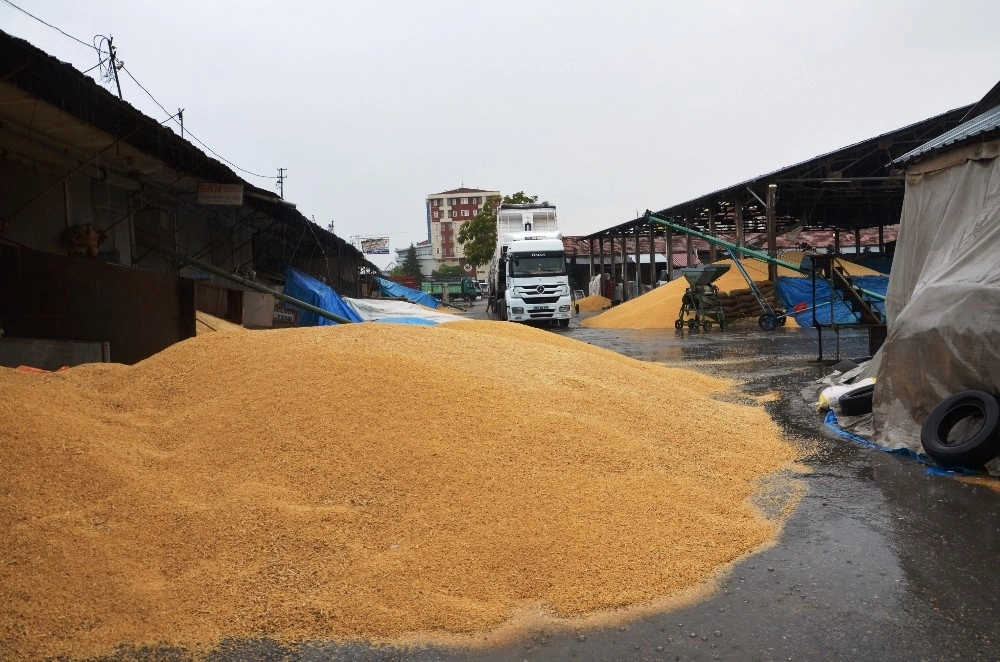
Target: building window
column 454, row 214
column 434, row 203
column 465, row 201
column 434, row 214
column 465, row 212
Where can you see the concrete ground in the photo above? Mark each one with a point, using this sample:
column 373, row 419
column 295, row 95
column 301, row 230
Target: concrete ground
column 880, row 561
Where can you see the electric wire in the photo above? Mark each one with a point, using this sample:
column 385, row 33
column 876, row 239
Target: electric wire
column 103, row 60
column 188, row 132
column 48, row 24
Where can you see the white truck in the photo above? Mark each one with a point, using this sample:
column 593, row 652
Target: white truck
column 528, row 281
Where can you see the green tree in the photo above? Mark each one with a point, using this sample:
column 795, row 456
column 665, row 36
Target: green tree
column 448, row 271
column 479, row 236
column 411, row 266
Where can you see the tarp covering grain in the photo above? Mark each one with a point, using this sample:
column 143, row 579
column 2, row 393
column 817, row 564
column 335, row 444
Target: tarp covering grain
column 255, row 485
column 943, row 301
column 397, row 290
column 400, row 312
column 307, row 289
column 830, row 310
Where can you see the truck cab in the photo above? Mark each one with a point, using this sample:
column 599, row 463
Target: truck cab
column 528, row 277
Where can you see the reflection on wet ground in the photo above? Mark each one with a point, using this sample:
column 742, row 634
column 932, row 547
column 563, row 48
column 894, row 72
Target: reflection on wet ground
column 879, row 560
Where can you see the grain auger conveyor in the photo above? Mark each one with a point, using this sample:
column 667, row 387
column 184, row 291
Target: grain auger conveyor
column 701, row 304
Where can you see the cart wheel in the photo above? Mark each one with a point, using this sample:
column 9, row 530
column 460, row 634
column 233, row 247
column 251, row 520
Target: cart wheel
column 768, row 321
column 722, row 325
column 706, row 325
column 783, row 319
column 692, row 325
column 679, row 324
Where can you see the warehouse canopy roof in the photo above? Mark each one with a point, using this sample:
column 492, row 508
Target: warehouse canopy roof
column 848, row 188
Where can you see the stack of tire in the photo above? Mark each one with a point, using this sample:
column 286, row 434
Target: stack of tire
column 964, row 430
column 741, row 303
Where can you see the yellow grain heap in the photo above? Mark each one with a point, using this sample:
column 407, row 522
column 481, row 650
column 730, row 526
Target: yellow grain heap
column 593, row 303
column 658, row 308
column 336, row 483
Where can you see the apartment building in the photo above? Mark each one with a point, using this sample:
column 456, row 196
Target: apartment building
column 446, row 213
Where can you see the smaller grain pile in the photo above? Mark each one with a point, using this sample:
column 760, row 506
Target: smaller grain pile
column 658, row 308
column 593, row 303
column 303, row 485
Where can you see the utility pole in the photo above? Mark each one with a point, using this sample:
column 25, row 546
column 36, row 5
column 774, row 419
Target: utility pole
column 114, row 65
column 180, row 117
column 281, row 183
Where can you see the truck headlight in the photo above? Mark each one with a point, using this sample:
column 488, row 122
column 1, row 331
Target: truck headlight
column 563, row 309
column 516, row 310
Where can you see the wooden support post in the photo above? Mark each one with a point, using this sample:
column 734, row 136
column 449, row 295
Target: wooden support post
column 738, row 219
column 881, row 241
column 836, row 242
column 602, row 291
column 590, row 244
column 638, row 262
column 857, row 243
column 652, row 258
column 712, row 207
column 624, row 269
column 670, row 254
column 772, row 230
column 688, row 244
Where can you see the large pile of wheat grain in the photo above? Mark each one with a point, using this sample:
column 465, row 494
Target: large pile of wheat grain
column 348, row 482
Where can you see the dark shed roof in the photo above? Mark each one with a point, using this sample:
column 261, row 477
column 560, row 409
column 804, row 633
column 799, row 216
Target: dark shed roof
column 849, row 188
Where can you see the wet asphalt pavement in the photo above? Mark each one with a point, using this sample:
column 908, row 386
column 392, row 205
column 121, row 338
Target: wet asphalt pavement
column 879, row 561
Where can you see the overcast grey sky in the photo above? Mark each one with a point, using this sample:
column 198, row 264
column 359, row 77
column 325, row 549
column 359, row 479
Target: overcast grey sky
column 602, row 108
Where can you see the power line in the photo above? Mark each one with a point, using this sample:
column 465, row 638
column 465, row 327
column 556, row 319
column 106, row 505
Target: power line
column 114, row 65
column 48, row 24
column 188, row 131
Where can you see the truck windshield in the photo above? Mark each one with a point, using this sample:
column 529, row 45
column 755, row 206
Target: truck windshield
column 538, row 264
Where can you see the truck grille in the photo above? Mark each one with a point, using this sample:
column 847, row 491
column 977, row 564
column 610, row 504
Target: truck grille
column 542, row 299
column 541, row 313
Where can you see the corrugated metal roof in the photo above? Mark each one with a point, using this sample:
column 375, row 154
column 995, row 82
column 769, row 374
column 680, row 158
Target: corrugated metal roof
column 985, row 123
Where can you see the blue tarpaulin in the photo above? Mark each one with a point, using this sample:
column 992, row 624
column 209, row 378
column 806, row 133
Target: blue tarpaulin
column 306, row 288
column 795, row 290
column 392, row 289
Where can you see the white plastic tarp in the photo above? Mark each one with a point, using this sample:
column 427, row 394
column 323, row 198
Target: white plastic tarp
column 943, row 300
column 376, row 310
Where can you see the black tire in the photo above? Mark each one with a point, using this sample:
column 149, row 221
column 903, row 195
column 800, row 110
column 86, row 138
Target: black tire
column 722, row 325
column 564, row 323
column 768, row 322
column 782, row 320
column 692, row 325
column 706, row 325
column 973, row 451
column 857, row 402
column 679, row 324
